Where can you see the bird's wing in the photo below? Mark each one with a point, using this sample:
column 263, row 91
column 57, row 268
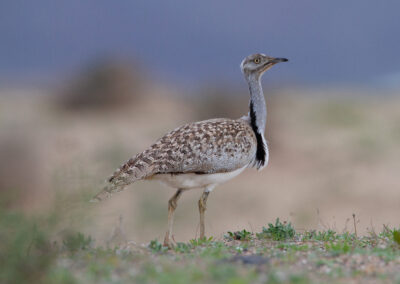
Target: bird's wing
column 210, row 146
column 205, row 147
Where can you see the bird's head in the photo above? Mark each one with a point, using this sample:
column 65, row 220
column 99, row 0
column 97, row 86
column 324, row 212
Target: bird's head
column 257, row 64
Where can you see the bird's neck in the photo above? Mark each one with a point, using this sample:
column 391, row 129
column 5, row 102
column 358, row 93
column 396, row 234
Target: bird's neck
column 258, row 109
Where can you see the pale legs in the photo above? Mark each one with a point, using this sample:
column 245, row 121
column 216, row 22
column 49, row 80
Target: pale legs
column 172, row 204
column 203, row 207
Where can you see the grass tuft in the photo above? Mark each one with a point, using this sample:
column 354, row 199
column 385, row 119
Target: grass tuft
column 157, row 247
column 201, row 241
column 74, row 242
column 278, row 231
column 396, row 236
column 242, row 235
column 26, row 253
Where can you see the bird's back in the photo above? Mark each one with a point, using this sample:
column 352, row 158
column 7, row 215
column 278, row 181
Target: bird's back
column 210, row 146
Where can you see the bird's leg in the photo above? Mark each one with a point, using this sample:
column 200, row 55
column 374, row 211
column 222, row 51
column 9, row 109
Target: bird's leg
column 202, row 209
column 172, row 204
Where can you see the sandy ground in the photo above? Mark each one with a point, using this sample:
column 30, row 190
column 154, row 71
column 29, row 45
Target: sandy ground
column 330, row 156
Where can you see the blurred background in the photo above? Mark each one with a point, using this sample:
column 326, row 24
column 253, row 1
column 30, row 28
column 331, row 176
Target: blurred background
column 85, row 85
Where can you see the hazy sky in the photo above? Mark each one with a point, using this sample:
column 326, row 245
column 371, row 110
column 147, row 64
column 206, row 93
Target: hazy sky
column 327, row 42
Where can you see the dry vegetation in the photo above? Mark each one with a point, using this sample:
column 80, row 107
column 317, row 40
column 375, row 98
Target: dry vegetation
column 331, row 156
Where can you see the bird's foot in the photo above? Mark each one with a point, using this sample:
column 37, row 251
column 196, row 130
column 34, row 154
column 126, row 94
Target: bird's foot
column 169, row 242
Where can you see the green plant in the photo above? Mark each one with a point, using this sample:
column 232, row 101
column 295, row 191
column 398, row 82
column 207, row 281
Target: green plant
column 337, row 248
column 182, row 247
column 323, row 236
column 396, row 236
column 292, row 247
column 346, row 236
column 386, row 233
column 201, row 241
column 78, row 241
column 156, row 246
column 215, row 250
column 278, row 232
column 60, row 276
column 242, row 235
column 26, row 254
column 329, row 235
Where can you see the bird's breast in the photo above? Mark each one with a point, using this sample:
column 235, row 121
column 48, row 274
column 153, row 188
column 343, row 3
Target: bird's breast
column 193, row 180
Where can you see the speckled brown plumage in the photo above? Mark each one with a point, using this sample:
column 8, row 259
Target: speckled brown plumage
column 205, row 147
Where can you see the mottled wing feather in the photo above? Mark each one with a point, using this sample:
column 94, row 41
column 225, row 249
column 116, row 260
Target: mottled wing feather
column 205, row 147
column 217, row 145
column 210, row 146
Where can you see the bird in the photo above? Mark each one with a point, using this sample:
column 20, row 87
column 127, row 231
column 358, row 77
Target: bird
column 203, row 154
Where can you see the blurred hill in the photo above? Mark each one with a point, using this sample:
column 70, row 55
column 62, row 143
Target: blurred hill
column 107, row 84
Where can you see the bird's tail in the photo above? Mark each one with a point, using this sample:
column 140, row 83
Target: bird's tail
column 107, row 192
column 134, row 169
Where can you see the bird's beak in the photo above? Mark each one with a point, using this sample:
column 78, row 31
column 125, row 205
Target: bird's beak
column 278, row 60
column 271, row 62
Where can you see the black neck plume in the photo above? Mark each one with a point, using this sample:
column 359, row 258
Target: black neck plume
column 260, row 154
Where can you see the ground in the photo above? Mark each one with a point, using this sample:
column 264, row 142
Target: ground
column 277, row 254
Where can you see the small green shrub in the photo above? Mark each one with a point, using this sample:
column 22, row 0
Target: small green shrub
column 346, row 236
column 242, row 235
column 323, row 236
column 338, row 248
column 201, row 241
column 156, row 246
column 278, row 232
column 329, row 235
column 214, row 250
column 60, row 276
column 396, row 236
column 183, row 247
column 26, row 253
column 78, row 241
column 291, row 247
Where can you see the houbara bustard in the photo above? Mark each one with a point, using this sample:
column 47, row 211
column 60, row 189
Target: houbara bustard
column 206, row 153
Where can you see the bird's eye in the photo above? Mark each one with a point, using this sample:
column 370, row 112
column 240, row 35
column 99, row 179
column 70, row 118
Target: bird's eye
column 257, row 60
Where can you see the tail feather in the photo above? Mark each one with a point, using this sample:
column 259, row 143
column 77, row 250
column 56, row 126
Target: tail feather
column 107, row 192
column 133, row 170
